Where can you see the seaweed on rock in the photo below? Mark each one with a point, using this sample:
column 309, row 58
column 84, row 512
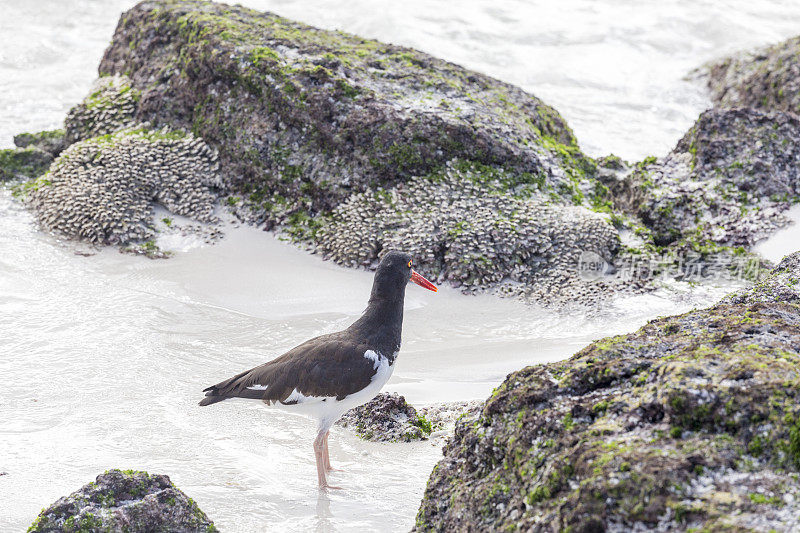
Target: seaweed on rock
column 691, row 422
column 304, row 117
column 124, row 500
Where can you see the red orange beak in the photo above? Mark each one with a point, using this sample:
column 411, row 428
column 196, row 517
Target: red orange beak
column 422, row 282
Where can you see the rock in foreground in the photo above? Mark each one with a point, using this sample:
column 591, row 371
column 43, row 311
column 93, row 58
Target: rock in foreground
column 691, row 422
column 125, row 501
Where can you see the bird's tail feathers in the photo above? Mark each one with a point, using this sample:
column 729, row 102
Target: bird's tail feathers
column 212, row 396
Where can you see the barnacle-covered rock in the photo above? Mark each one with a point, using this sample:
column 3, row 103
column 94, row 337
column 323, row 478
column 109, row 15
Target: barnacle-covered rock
column 726, row 183
column 304, row 117
column 782, row 285
column 110, row 107
column 463, row 225
column 121, row 501
column 691, row 423
column 102, row 189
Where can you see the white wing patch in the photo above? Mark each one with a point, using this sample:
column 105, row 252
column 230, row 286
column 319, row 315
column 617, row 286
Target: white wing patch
column 295, row 396
column 373, row 356
column 257, row 387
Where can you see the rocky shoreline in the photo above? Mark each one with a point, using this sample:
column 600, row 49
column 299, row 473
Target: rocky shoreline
column 350, row 147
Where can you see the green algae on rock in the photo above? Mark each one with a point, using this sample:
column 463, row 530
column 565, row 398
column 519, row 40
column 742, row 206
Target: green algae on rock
column 766, row 79
column 387, row 418
column 51, row 141
column 727, row 183
column 23, row 163
column 691, row 422
column 120, row 501
column 32, row 156
column 102, row 189
column 304, row 117
column 782, row 285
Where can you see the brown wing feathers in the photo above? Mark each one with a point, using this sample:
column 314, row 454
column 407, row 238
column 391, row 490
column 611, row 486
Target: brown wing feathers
column 323, row 366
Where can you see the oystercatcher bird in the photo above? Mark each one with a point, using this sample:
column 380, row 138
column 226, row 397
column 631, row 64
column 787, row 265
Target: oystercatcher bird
column 326, row 376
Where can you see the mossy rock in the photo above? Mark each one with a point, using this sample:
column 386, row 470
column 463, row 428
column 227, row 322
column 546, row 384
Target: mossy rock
column 387, row 418
column 23, row 163
column 51, row 141
column 124, row 501
column 726, row 184
column 765, row 79
column 304, row 117
column 690, row 423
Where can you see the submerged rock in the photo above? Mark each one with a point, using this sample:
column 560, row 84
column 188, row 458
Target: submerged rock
column 387, row 418
column 125, row 501
column 102, row 190
column 691, row 422
column 767, row 79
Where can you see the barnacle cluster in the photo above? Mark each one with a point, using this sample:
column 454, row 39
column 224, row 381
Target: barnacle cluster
column 102, row 189
column 110, row 107
column 470, row 232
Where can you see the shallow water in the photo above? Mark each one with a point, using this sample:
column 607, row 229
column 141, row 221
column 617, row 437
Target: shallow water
column 104, row 356
column 783, row 241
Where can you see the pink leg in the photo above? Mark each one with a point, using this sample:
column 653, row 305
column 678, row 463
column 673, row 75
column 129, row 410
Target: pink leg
column 320, row 450
column 327, row 457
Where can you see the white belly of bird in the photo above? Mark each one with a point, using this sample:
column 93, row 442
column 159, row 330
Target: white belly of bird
column 326, row 410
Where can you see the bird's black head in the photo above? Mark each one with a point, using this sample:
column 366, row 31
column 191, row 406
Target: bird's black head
column 394, row 272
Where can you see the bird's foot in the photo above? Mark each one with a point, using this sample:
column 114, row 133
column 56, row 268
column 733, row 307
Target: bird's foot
column 332, row 469
column 325, row 486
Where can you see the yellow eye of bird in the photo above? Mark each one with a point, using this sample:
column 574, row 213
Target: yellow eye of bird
column 409, row 263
